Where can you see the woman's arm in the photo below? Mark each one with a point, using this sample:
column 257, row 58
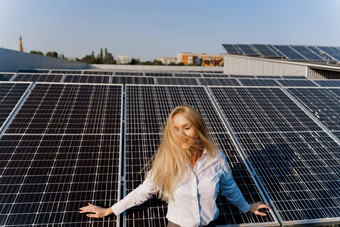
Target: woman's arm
column 231, row 191
column 142, row 193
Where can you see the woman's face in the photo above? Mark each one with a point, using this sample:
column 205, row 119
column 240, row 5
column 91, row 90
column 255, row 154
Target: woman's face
column 183, row 126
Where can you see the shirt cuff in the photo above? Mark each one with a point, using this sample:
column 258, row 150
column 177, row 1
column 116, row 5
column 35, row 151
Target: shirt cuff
column 117, row 208
column 245, row 208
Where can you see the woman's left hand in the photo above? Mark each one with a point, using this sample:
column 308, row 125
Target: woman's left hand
column 254, row 208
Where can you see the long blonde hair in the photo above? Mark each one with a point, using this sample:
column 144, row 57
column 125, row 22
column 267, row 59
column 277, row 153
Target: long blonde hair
column 171, row 160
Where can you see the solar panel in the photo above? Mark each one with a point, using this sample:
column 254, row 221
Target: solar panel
column 10, row 94
column 162, row 74
column 98, row 72
column 246, row 49
column 265, row 51
column 186, row 75
column 147, row 107
column 261, row 110
column 149, row 115
column 132, row 80
column 295, row 77
column 87, row 79
column 331, row 51
column 258, row 82
column 231, row 49
column 129, row 73
column 322, row 103
column 215, row 75
column 300, row 172
column 38, row 77
column 6, row 76
column 45, row 179
column 307, row 53
column 327, row 83
column 242, row 76
column 69, row 109
column 289, row 53
column 268, row 77
column 176, row 81
column 217, row 82
column 33, row 71
column 62, row 71
column 297, row 83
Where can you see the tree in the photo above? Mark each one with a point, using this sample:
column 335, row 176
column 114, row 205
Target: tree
column 134, row 61
column 36, row 52
column 52, row 54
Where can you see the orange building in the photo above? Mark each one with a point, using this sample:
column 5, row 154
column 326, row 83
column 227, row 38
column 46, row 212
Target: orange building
column 203, row 59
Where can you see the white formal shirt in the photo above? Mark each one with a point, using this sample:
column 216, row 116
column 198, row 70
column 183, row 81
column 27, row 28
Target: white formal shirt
column 194, row 202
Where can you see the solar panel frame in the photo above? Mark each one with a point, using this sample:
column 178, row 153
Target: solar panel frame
column 218, row 82
column 307, row 53
column 289, row 53
column 247, row 49
column 264, row 50
column 231, row 49
column 259, row 82
column 92, row 72
column 132, row 80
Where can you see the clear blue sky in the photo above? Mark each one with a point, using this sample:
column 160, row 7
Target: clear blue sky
column 151, row 29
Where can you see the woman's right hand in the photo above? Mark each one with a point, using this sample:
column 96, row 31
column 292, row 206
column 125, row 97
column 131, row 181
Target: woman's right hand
column 95, row 211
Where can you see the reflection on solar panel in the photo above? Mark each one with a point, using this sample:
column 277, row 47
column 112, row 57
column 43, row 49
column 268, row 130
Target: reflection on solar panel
column 129, row 73
column 295, row 77
column 176, row 81
column 33, row 71
column 217, row 82
column 327, row 83
column 143, row 139
column 98, row 72
column 158, row 74
column 132, row 80
column 261, row 110
column 241, row 76
column 268, row 77
column 87, row 79
column 289, row 53
column 10, row 94
column 6, row 76
column 297, row 83
column 323, row 103
column 258, row 82
column 231, row 49
column 46, row 178
column 63, row 108
column 265, row 50
column 38, row 77
column 300, row 171
column 66, row 71
column 246, row 49
column 186, row 75
column 307, row 53
column 215, row 75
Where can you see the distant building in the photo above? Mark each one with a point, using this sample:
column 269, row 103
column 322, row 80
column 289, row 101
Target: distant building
column 167, row 60
column 122, row 60
column 203, row 59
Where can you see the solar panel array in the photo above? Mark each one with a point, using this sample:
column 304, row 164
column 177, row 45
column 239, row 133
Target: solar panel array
column 70, row 137
column 290, row 52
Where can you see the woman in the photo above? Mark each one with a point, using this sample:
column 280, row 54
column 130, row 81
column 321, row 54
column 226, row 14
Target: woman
column 187, row 173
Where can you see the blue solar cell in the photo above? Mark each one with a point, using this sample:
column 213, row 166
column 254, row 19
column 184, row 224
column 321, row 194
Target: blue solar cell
column 231, row 49
column 265, row 50
column 246, row 49
column 328, row 83
column 289, row 53
column 307, row 53
column 331, row 51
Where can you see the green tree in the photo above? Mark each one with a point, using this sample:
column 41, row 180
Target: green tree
column 52, row 54
column 36, row 52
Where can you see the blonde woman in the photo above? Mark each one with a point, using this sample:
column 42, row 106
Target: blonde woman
column 187, row 173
